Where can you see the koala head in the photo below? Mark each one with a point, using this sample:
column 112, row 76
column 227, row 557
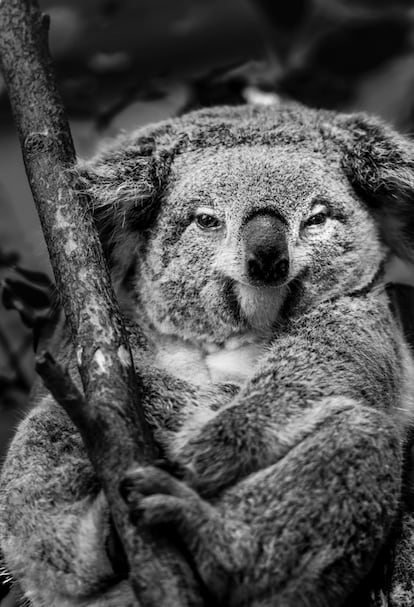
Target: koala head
column 217, row 219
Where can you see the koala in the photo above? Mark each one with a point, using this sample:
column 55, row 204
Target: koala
column 248, row 247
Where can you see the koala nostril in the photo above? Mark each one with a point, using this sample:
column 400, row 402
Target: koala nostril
column 254, row 267
column 266, row 268
column 281, row 269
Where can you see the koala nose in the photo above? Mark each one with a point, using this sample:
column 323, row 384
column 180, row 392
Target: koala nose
column 266, row 250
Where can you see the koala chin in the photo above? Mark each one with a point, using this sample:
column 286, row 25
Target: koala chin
column 250, row 248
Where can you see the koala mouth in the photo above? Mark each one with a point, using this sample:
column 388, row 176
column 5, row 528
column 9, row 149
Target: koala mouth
column 260, row 306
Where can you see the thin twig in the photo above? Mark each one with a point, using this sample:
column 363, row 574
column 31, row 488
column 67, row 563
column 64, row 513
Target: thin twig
column 60, row 385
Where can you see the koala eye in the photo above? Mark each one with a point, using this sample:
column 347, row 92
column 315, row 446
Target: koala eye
column 317, row 219
column 207, row 220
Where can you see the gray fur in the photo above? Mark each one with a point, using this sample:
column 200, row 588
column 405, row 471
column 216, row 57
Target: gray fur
column 286, row 404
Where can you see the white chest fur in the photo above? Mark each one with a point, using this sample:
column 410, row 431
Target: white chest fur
column 232, row 362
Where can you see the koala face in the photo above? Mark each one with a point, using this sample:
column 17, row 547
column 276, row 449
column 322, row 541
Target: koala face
column 238, row 226
column 217, row 222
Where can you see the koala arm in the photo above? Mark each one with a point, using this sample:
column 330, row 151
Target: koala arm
column 338, row 351
column 301, row 532
column 54, row 516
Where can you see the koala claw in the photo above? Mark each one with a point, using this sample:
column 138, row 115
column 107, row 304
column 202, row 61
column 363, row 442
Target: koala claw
column 147, row 480
column 172, row 467
column 161, row 509
column 155, row 496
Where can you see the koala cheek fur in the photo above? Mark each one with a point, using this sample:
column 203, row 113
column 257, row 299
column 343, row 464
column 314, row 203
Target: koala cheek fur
column 281, row 397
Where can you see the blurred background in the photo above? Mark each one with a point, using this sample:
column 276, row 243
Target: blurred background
column 124, row 63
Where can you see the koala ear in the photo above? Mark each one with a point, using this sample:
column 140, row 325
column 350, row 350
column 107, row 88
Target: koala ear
column 124, row 184
column 380, row 165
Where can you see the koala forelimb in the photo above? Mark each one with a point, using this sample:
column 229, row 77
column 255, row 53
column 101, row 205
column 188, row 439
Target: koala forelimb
column 248, row 247
column 308, row 438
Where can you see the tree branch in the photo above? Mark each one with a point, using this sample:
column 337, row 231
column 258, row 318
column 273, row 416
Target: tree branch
column 110, row 417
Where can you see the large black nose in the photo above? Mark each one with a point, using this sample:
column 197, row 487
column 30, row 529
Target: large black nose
column 266, row 250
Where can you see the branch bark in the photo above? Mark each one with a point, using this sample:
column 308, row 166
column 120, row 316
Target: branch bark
column 109, row 417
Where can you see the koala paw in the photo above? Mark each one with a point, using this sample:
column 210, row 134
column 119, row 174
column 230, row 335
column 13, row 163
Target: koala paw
column 214, row 459
column 155, row 497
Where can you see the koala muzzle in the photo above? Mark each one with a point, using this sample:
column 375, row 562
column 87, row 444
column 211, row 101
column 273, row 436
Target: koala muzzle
column 266, row 250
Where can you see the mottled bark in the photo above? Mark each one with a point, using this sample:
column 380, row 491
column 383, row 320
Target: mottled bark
column 109, row 416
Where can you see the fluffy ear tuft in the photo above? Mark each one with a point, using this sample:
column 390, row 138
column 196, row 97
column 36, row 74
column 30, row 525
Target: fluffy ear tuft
column 124, row 185
column 380, row 166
